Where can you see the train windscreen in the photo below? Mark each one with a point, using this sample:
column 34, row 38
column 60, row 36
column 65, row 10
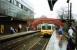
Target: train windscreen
column 43, row 28
column 46, row 27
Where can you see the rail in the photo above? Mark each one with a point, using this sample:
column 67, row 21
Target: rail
column 16, row 35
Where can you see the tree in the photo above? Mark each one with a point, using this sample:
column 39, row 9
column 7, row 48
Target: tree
column 63, row 13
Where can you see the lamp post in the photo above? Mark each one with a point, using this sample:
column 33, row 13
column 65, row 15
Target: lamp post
column 69, row 13
column 68, row 9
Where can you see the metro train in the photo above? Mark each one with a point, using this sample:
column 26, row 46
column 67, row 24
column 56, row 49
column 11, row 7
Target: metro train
column 46, row 29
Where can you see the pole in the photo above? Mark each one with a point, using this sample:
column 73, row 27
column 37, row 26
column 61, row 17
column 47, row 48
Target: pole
column 70, row 14
column 68, row 11
column 68, row 18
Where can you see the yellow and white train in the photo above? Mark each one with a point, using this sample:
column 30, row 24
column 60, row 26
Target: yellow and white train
column 46, row 29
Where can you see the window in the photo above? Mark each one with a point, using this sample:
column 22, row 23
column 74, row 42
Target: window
column 22, row 6
column 25, row 8
column 14, row 2
column 49, row 27
column 43, row 28
column 10, row 1
column 17, row 3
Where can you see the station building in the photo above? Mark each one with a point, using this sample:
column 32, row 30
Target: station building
column 14, row 13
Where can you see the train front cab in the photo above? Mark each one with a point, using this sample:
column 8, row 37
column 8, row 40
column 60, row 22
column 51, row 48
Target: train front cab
column 46, row 30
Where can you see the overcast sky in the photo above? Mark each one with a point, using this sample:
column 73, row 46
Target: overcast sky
column 41, row 7
column 61, row 4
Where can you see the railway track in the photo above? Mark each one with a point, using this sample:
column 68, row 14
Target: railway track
column 30, row 42
column 41, row 45
column 27, row 43
column 9, row 45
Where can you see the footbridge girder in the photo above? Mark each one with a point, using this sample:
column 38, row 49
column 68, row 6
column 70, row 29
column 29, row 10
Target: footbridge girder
column 57, row 22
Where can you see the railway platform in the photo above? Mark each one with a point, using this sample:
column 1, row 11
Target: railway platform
column 13, row 41
column 15, row 35
column 53, row 43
